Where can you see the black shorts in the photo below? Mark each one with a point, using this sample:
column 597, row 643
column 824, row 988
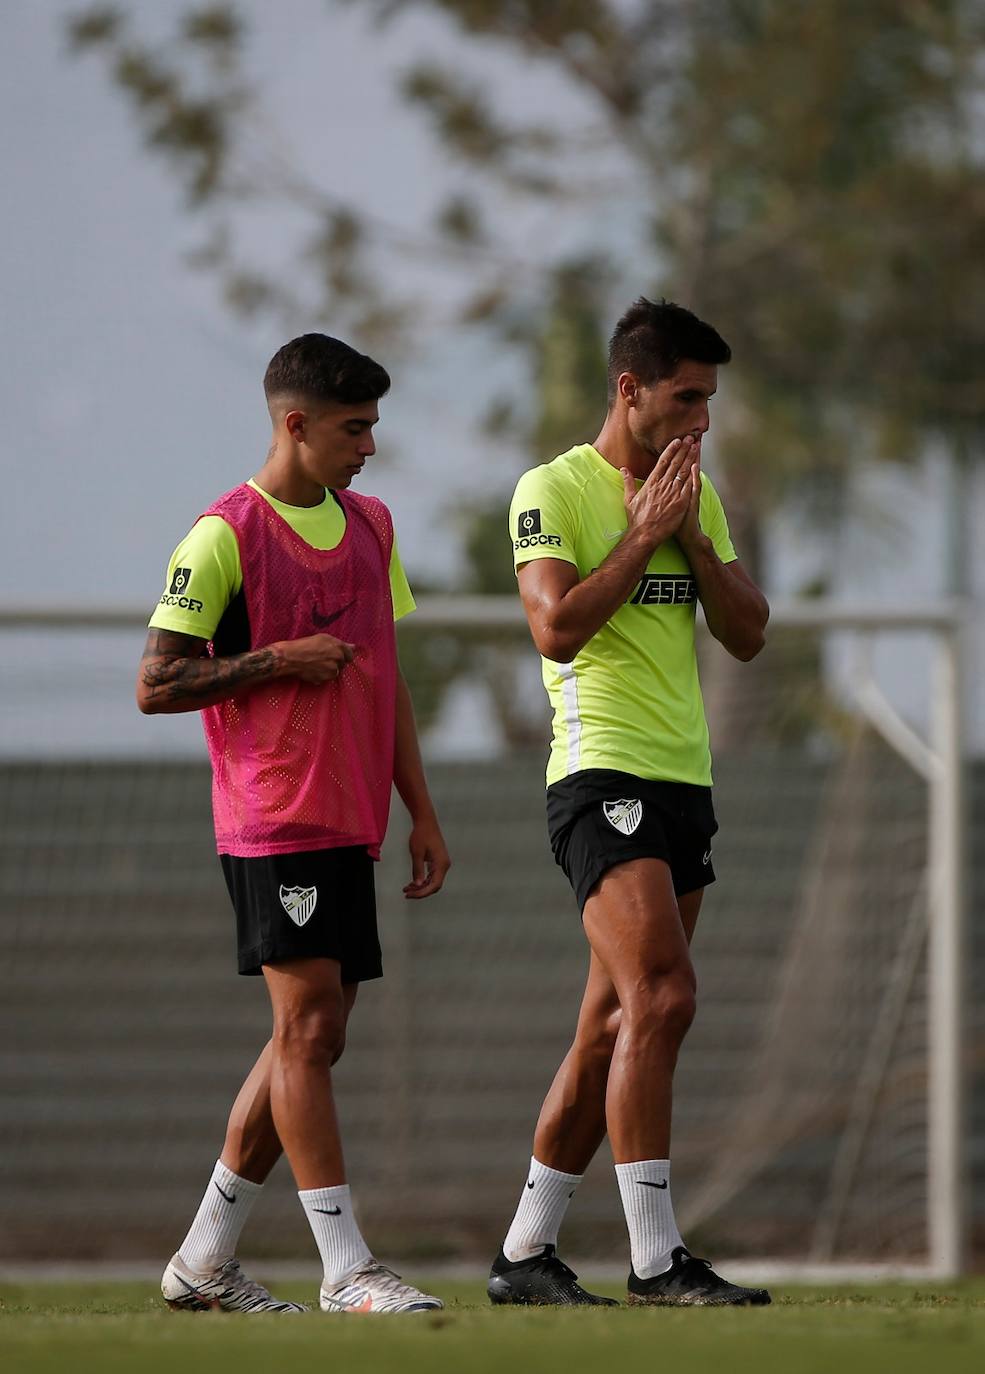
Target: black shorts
column 599, row 818
column 315, row 905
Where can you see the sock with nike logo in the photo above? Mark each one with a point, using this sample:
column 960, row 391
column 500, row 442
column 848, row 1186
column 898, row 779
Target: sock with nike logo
column 543, row 1203
column 337, row 1235
column 214, row 1233
column 644, row 1187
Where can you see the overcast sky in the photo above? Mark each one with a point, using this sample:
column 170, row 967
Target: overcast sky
column 131, row 397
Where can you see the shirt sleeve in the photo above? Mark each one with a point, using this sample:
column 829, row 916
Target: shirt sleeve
column 711, row 518
column 400, row 592
column 203, row 576
column 542, row 521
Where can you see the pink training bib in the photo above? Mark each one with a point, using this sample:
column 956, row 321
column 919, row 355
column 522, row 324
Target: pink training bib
column 297, row 766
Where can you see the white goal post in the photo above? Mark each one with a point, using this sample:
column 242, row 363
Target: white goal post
column 940, row 761
column 928, row 950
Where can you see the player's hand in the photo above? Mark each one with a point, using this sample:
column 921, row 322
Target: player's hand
column 657, row 510
column 429, row 859
column 316, row 658
column 690, row 534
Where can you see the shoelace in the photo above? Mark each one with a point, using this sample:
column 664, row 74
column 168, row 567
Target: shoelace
column 233, row 1276
column 552, row 1266
column 693, row 1263
column 392, row 1285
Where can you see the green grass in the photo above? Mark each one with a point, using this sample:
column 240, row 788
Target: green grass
column 113, row 1327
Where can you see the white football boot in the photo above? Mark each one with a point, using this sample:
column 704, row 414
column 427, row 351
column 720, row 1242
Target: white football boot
column 376, row 1289
column 226, row 1289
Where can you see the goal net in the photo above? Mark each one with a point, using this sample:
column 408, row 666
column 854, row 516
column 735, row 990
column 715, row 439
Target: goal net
column 818, row 1113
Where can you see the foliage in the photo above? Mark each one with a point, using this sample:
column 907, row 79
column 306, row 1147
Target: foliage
column 807, row 176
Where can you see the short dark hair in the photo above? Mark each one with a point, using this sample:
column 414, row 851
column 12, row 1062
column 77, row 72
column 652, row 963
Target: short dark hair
column 324, row 369
column 653, row 337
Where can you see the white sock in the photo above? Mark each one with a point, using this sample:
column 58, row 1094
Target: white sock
column 214, row 1233
column 644, row 1187
column 337, row 1235
column 541, row 1210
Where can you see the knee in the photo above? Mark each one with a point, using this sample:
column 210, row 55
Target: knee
column 664, row 1006
column 597, row 1040
column 313, row 1035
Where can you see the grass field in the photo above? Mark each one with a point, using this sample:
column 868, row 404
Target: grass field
column 114, row 1327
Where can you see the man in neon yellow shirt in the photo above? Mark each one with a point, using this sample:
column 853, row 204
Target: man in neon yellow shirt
column 614, row 544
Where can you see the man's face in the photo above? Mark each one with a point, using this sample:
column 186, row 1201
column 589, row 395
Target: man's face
column 335, row 441
column 672, row 407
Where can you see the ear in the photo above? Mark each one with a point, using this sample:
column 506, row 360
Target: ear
column 628, row 388
column 294, row 421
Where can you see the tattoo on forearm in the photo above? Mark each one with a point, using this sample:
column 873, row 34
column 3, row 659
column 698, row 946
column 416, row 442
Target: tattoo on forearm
column 174, row 668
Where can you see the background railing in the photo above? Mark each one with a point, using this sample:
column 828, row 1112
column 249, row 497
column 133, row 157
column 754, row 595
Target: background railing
column 820, row 1108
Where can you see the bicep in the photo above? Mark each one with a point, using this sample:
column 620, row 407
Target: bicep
column 165, row 645
column 164, row 650
column 736, row 570
column 544, row 583
column 714, row 523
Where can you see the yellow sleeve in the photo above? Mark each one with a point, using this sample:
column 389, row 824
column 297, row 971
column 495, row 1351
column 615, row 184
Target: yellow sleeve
column 403, row 597
column 204, row 575
column 711, row 518
column 542, row 522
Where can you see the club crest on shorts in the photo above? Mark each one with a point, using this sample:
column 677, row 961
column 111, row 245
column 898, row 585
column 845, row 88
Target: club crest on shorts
column 299, row 903
column 625, row 815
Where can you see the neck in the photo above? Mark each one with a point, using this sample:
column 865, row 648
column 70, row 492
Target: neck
column 617, row 446
column 283, row 478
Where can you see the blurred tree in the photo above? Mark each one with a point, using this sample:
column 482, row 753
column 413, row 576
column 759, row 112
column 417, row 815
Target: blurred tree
column 807, row 176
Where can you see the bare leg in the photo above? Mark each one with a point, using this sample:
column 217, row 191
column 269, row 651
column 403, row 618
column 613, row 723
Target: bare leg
column 252, row 1146
column 635, row 929
column 572, row 1121
column 571, row 1126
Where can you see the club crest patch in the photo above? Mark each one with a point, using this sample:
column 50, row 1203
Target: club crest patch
column 299, row 903
column 624, row 815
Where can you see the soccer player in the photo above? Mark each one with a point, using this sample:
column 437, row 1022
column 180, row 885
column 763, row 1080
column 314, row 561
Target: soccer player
column 614, row 542
column 277, row 623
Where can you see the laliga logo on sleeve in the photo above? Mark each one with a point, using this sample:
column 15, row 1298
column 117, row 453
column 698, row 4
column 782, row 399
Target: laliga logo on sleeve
column 623, row 815
column 529, row 532
column 298, row 902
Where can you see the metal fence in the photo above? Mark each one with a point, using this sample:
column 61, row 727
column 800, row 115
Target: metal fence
column 803, row 1113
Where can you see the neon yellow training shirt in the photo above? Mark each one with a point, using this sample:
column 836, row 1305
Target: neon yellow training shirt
column 631, row 699
column 205, row 573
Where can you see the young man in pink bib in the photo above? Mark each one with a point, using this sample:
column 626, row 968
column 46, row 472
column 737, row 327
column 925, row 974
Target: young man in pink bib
column 277, row 623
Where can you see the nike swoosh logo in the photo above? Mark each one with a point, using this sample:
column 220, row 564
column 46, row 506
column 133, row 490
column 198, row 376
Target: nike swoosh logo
column 230, row 1197
column 323, row 621
column 645, row 1183
column 328, row 1211
column 613, row 534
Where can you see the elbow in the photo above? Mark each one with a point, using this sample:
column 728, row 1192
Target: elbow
column 557, row 648
column 748, row 649
column 146, row 704
column 751, row 643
